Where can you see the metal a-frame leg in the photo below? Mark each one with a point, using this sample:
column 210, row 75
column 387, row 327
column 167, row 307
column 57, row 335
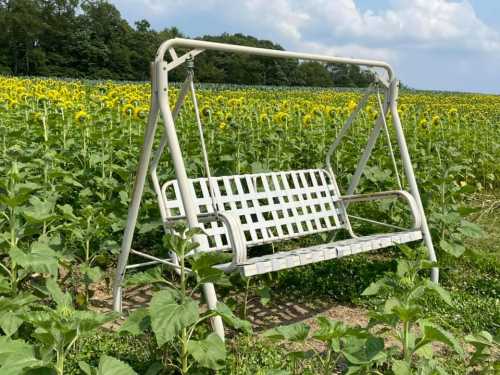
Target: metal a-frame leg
column 159, row 104
column 410, row 175
column 135, row 203
column 391, row 103
column 182, row 180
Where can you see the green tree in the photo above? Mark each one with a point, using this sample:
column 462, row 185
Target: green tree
column 313, row 74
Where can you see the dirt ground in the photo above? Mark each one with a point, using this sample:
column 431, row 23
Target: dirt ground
column 277, row 312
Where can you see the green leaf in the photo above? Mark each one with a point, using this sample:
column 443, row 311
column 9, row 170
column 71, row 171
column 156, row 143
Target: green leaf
column 16, row 357
column 454, row 249
column 472, row 230
column 208, row 259
column 404, row 266
column 149, row 227
column 390, row 303
column 438, row 290
column 429, row 286
column 35, row 261
column 137, row 322
column 17, row 364
column 168, row 316
column 85, row 367
column 8, row 347
column 10, row 322
column 91, row 274
column 425, row 351
column 370, row 350
column 432, row 332
column 63, row 300
column 330, row 330
column 407, row 313
column 71, row 181
column 67, row 212
column 39, row 212
column 209, row 352
column 483, row 337
column 191, row 232
column 482, row 342
column 112, row 366
column 401, row 368
column 373, row 289
column 151, row 276
column 264, row 294
column 213, row 275
column 232, row 320
column 296, row 332
column 155, row 368
column 88, row 320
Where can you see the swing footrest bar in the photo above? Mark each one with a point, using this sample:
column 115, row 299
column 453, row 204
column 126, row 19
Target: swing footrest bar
column 294, row 258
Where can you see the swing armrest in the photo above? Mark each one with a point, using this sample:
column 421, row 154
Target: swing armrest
column 416, row 215
column 236, row 237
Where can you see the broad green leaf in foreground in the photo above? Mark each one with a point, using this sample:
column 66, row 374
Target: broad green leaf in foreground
column 232, row 320
column 112, row 366
column 432, row 332
column 292, row 332
column 209, row 352
column 454, row 248
column 137, row 322
column 168, row 316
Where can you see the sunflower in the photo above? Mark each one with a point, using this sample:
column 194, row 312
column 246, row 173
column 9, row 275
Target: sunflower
column 206, row 111
column 281, row 117
column 351, row 106
column 423, row 123
column 263, row 117
column 81, row 116
column 128, row 109
column 140, row 112
column 307, row 119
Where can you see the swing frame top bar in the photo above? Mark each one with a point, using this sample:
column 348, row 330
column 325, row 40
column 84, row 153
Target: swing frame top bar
column 201, row 44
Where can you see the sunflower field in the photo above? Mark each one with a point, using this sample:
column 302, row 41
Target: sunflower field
column 69, row 150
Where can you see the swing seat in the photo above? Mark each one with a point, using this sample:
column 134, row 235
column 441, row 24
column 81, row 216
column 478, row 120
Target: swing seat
column 262, row 208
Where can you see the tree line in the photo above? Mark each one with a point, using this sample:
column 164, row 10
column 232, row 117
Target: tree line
column 90, row 39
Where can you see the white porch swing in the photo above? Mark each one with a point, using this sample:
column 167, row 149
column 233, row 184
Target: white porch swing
column 241, row 211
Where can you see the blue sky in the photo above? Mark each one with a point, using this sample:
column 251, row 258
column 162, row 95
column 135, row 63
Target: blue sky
column 432, row 44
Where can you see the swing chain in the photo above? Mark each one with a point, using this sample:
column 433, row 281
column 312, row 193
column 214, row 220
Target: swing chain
column 190, row 67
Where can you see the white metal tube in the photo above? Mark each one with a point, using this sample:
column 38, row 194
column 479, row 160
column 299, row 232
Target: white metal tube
column 345, row 128
column 137, row 191
column 389, row 144
column 367, row 152
column 182, row 180
column 410, row 175
column 163, row 142
column 201, row 44
column 202, row 144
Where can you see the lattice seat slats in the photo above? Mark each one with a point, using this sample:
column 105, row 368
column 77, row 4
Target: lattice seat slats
column 270, row 206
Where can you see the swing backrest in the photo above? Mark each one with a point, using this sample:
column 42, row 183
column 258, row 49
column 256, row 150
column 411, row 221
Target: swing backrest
column 270, row 206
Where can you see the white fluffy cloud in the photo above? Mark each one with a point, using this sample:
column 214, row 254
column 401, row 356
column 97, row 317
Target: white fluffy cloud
column 404, row 31
column 408, row 23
